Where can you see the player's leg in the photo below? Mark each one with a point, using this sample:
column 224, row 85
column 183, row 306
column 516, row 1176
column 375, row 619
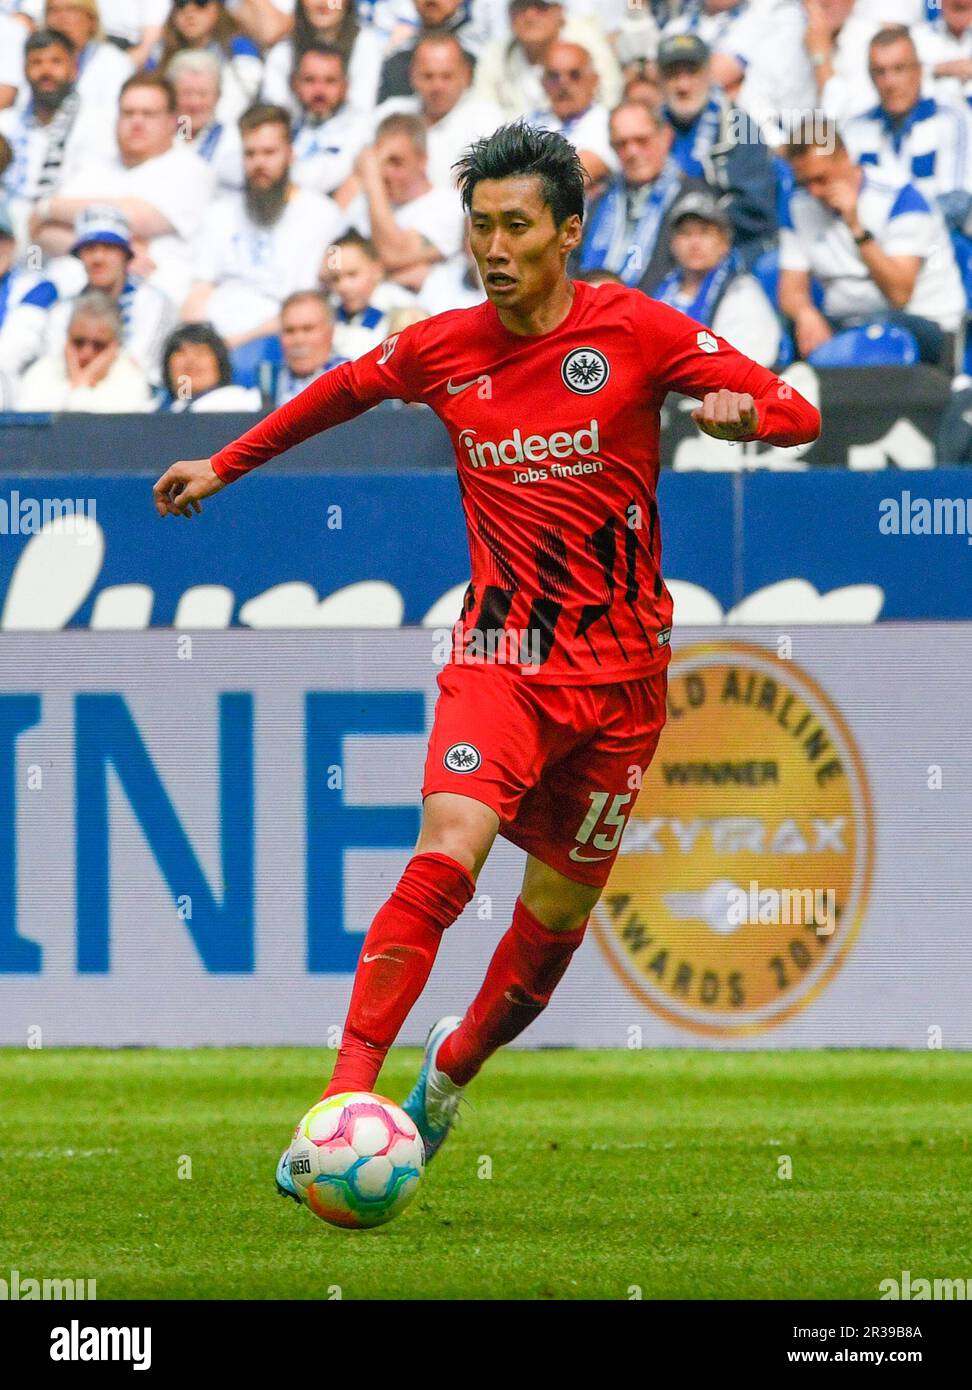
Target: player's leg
column 549, row 921
column 401, row 944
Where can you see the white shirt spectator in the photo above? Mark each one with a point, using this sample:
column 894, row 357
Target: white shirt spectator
column 89, row 139
column 935, row 43
column 588, row 131
column 220, row 145
column 38, row 324
column 220, row 398
column 255, row 268
column 13, row 36
column 103, row 69
column 818, row 240
column 124, row 390
column 128, row 19
column 437, row 215
column 364, row 72
column 241, row 75
column 931, row 148
column 356, row 334
column 505, row 77
column 778, row 73
column 850, row 90
column 178, row 183
column 324, row 153
column 469, row 120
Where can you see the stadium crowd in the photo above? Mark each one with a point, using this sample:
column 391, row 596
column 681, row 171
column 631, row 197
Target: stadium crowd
column 205, row 204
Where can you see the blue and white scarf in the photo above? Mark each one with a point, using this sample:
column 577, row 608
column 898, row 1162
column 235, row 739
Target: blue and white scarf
column 703, row 307
column 692, row 144
column 613, row 242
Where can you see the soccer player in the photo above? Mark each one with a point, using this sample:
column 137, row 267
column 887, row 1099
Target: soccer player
column 554, row 700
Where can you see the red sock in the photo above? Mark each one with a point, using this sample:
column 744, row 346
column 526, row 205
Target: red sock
column 526, row 968
column 394, row 964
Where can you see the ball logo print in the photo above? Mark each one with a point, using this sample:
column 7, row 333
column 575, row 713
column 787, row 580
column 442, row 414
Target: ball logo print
column 462, row 757
column 757, row 795
column 706, row 341
column 585, row 370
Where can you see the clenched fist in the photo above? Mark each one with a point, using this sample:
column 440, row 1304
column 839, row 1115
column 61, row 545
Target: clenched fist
column 727, row 415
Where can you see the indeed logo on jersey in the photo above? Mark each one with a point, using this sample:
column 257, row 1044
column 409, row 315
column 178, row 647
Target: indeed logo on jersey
column 536, row 448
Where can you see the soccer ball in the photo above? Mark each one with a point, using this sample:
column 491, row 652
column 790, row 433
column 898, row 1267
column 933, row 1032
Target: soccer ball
column 356, row 1159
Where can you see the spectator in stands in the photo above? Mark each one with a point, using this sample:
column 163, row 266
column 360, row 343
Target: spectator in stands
column 266, row 21
column 8, row 273
column 944, row 46
column 835, row 41
column 196, row 79
column 570, row 83
column 91, row 372
column 880, row 253
column 436, row 17
column 454, row 117
column 510, row 70
column 627, row 227
column 207, row 26
column 103, row 68
column 354, row 275
column 13, row 36
column 334, row 23
column 908, row 138
column 257, row 247
column 307, row 335
column 134, row 25
column 643, row 85
column 50, row 135
column 710, row 283
column 329, row 131
column 39, row 323
column 159, row 184
column 412, row 224
column 717, row 142
column 196, row 374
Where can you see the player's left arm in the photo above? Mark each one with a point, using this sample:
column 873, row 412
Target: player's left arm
column 741, row 400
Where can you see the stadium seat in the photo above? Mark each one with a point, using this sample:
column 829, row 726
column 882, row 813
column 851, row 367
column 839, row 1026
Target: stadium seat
column 872, row 345
column 247, row 359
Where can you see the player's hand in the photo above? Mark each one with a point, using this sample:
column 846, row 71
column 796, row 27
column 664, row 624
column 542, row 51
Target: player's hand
column 183, row 486
column 727, row 415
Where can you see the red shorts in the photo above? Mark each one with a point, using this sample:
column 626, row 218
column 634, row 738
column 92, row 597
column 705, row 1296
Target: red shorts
column 560, row 765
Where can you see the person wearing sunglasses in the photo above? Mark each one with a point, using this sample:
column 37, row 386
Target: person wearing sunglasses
column 570, row 83
column 207, row 26
column 92, row 372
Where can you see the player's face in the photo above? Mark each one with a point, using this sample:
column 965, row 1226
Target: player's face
column 49, row 70
column 896, row 73
column 104, row 264
column 196, row 23
column 355, row 279
column 305, row 332
column 640, row 144
column 439, row 76
column 266, row 156
column 402, row 168
column 320, row 85
column 518, row 249
column 698, row 246
column 686, row 89
column 196, row 96
column 146, row 126
column 71, row 19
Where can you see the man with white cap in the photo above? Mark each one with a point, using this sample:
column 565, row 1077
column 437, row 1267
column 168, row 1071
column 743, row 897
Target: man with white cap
column 38, row 324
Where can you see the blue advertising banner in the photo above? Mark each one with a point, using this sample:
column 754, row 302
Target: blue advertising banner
column 284, row 550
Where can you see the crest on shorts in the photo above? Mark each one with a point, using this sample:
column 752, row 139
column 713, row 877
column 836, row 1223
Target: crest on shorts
column 462, row 757
column 585, row 370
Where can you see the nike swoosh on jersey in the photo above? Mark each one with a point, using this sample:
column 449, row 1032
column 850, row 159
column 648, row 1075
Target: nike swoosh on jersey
column 458, row 390
column 365, row 960
column 587, row 858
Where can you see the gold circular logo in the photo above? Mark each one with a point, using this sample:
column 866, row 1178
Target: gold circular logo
column 744, row 872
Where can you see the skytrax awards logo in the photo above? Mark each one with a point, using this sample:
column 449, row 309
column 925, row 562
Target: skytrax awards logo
column 757, row 795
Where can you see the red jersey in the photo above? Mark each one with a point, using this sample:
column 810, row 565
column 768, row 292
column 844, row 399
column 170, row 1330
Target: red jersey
column 556, row 444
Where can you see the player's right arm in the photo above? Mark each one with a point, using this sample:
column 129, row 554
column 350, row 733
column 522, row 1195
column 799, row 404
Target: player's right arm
column 391, row 371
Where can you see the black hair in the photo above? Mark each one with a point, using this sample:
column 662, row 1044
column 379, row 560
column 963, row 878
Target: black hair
column 322, row 50
column 48, row 38
column 519, row 150
column 202, row 335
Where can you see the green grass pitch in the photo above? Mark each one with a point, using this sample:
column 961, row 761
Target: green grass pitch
column 610, row 1172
